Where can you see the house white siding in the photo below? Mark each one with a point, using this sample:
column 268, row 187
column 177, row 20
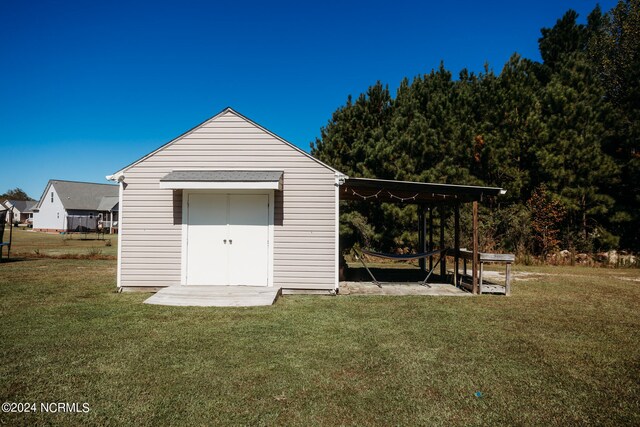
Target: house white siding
column 52, row 214
column 305, row 210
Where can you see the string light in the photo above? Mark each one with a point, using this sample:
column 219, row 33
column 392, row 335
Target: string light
column 393, row 196
column 402, row 199
column 366, row 197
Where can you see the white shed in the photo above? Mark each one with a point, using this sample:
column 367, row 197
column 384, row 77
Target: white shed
column 228, row 203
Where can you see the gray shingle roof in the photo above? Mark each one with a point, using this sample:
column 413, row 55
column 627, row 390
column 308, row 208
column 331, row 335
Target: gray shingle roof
column 83, row 195
column 23, row 206
column 107, row 203
column 224, row 176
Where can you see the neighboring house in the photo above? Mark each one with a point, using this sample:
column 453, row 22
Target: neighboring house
column 228, row 202
column 22, row 210
column 76, row 206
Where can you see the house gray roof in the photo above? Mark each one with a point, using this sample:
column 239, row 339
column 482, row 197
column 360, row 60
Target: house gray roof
column 82, row 195
column 23, row 206
column 108, row 203
column 224, row 176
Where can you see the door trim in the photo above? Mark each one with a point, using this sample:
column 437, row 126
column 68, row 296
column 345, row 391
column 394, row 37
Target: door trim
column 185, row 225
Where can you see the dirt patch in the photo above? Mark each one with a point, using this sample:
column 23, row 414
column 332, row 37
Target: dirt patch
column 67, row 256
column 521, row 276
column 369, row 288
column 630, row 279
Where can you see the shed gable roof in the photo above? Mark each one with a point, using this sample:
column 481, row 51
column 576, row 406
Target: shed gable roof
column 223, row 112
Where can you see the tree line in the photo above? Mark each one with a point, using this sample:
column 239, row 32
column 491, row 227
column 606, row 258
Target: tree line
column 562, row 136
column 15, row 194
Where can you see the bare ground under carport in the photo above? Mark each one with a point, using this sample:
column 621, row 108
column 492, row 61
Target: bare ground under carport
column 398, row 288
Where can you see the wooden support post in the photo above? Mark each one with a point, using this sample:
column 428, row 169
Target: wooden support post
column 456, row 244
column 474, row 261
column 421, row 237
column 507, row 283
column 430, row 237
column 10, row 235
column 443, row 264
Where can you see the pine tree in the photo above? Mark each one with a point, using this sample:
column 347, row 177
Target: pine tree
column 570, row 156
column 615, row 50
column 564, row 123
column 547, row 215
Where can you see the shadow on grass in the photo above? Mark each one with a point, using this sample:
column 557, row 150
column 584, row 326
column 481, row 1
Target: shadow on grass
column 85, row 256
column 15, row 259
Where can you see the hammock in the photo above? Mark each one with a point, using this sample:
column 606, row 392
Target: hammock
column 405, row 257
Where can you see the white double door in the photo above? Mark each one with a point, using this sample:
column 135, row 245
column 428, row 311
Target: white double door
column 227, row 239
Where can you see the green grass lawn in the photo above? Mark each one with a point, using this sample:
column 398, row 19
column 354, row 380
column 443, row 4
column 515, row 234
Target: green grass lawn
column 27, row 243
column 563, row 350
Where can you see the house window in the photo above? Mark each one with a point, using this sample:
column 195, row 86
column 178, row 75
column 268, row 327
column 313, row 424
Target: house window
column 52, row 197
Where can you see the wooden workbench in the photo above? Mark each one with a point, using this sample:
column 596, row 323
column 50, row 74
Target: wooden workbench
column 483, row 257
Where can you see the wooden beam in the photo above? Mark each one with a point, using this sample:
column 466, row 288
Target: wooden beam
column 430, row 237
column 474, row 261
column 487, row 257
column 421, row 237
column 443, row 263
column 10, row 235
column 456, row 244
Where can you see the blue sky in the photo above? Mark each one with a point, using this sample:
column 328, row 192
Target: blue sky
column 88, row 87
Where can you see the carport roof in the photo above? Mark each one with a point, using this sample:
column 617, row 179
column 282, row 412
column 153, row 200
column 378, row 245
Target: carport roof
column 382, row 190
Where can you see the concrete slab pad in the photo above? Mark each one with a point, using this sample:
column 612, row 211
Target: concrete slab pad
column 370, row 288
column 215, row 296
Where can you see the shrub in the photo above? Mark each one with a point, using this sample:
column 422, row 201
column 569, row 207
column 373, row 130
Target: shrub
column 94, row 252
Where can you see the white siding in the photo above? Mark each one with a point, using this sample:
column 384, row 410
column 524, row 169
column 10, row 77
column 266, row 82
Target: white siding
column 304, row 231
column 51, row 215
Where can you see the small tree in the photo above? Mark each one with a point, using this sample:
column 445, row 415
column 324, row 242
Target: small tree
column 15, row 194
column 547, row 215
